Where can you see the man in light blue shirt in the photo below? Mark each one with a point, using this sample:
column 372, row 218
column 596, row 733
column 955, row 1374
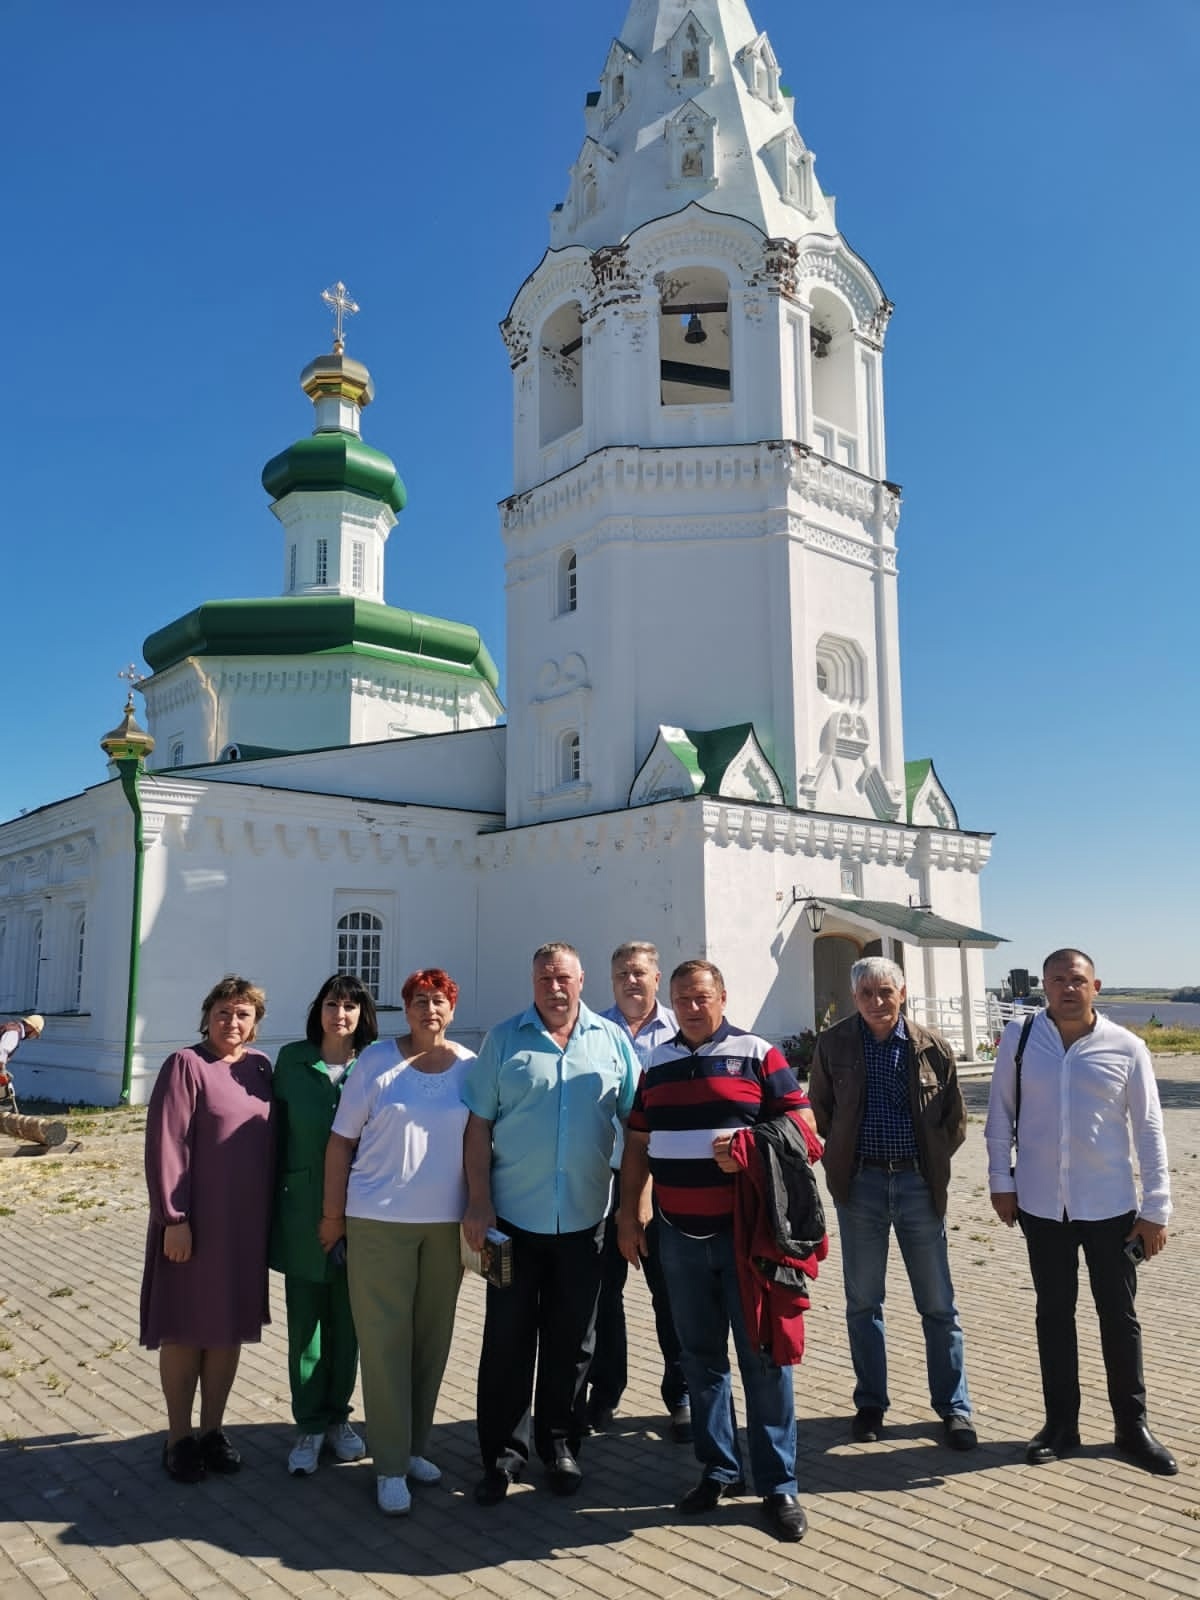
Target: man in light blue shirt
column 542, row 1095
column 638, row 1011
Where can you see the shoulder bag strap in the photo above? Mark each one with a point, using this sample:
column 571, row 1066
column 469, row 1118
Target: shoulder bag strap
column 1017, row 1059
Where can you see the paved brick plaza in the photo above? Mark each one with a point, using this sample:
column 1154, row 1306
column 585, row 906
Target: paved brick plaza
column 86, row 1510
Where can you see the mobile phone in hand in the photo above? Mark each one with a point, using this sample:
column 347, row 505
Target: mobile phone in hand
column 1135, row 1249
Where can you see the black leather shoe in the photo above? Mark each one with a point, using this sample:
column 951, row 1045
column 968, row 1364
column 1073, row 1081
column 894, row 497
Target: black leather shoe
column 786, row 1517
column 493, row 1486
column 681, row 1423
column 708, row 1494
column 562, row 1471
column 1051, row 1443
column 867, row 1425
column 184, row 1460
column 1140, row 1445
column 599, row 1416
column 960, row 1432
column 218, row 1453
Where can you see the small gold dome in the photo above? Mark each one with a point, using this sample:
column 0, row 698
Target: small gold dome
column 127, row 741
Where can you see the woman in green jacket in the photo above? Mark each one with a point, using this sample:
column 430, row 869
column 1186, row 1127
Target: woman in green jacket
column 322, row 1348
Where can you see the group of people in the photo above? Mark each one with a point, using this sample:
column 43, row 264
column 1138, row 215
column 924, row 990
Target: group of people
column 662, row 1138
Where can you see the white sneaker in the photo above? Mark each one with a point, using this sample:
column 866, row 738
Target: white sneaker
column 306, row 1454
column 393, row 1496
column 344, row 1442
column 422, row 1471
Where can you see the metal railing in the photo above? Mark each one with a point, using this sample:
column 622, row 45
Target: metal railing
column 988, row 1019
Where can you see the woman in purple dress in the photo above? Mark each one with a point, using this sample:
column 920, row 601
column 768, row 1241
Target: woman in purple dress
column 210, row 1149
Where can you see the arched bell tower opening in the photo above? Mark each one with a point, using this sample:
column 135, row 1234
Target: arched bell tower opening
column 560, row 373
column 694, row 343
column 835, row 398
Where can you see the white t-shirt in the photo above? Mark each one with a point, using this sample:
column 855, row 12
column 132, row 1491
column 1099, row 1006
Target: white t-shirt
column 409, row 1127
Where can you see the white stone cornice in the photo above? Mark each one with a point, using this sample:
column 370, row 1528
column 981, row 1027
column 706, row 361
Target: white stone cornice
column 960, row 852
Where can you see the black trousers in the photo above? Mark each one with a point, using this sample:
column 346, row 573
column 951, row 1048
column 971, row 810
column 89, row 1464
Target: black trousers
column 544, row 1319
column 1054, row 1262
column 610, row 1364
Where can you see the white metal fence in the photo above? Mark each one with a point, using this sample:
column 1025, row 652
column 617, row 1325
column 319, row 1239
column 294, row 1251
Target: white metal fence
column 988, row 1018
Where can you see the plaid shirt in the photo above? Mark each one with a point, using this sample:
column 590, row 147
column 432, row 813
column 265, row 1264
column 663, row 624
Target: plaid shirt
column 886, row 1133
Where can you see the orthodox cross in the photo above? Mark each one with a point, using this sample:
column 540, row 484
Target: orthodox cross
column 131, row 675
column 343, row 306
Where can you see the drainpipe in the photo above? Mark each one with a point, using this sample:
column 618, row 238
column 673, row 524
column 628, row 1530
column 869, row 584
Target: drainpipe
column 127, row 746
column 130, row 771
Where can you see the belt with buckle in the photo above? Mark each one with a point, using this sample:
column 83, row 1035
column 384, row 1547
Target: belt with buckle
column 883, row 1164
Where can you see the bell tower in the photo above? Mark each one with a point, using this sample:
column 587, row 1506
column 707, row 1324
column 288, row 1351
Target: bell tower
column 701, row 534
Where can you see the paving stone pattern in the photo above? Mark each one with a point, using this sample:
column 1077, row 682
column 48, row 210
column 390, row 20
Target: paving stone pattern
column 85, row 1508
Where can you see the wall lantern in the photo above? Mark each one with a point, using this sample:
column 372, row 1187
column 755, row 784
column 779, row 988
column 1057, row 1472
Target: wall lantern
column 814, row 911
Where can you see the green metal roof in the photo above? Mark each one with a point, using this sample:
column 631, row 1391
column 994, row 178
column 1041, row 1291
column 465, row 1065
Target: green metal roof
column 915, row 773
column 715, row 749
column 335, row 461
column 307, row 625
column 919, row 927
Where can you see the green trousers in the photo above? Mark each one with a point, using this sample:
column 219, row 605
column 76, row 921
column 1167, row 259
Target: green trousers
column 404, row 1279
column 322, row 1351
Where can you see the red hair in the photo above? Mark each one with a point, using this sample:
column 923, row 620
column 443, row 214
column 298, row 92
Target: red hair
column 430, row 978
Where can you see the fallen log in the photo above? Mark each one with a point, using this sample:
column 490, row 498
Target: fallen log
column 32, row 1130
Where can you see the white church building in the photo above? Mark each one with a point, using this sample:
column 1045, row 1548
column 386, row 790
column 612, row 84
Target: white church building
column 698, row 412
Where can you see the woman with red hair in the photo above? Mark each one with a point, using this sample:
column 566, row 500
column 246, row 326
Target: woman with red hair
column 395, row 1191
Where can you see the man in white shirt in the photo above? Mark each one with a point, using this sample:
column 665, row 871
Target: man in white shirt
column 1083, row 1084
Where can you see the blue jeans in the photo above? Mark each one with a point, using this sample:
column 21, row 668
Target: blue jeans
column 880, row 1201
column 702, row 1285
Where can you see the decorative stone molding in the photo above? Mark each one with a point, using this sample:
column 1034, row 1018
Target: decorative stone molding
column 790, row 163
column 779, row 271
column 612, row 277
column 555, row 679
column 760, row 68
column 689, row 54
column 691, row 135
column 842, row 272
column 696, row 237
column 561, row 275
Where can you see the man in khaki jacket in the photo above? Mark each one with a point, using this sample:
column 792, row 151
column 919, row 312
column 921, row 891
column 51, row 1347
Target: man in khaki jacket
column 887, row 1102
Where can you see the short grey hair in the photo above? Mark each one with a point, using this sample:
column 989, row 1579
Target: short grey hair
column 877, row 967
column 636, row 947
column 557, row 947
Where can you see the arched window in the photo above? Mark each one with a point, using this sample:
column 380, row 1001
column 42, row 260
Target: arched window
column 695, row 350
column 177, row 753
column 360, row 948
column 568, row 582
column 570, row 762
column 560, row 373
column 35, row 976
column 77, row 978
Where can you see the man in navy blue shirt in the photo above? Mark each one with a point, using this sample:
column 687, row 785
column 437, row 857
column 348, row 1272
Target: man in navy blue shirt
column 887, row 1102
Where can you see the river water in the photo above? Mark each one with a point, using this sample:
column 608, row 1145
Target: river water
column 1171, row 1013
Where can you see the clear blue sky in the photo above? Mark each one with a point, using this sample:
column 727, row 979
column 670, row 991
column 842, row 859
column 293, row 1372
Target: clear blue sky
column 182, row 180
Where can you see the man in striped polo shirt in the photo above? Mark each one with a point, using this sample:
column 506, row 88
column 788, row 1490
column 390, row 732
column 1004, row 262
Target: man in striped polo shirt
column 696, row 1093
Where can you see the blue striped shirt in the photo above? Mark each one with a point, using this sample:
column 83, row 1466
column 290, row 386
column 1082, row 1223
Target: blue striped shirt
column 886, row 1132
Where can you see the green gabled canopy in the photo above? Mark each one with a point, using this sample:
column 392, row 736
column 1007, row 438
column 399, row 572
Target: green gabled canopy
column 335, row 461
column 915, row 773
column 715, row 749
column 309, row 625
column 918, row 927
